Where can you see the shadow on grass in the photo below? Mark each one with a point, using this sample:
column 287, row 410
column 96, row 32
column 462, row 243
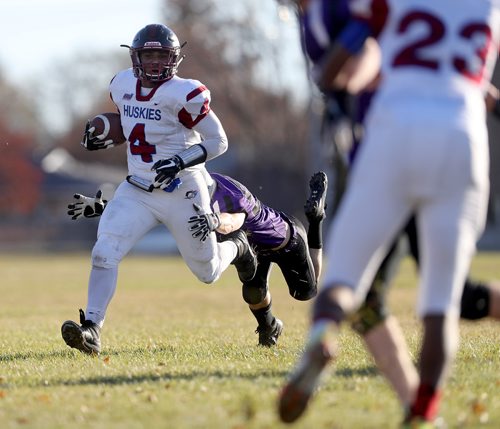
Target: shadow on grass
column 166, row 377
column 127, row 379
column 367, row 371
column 11, row 357
column 195, row 375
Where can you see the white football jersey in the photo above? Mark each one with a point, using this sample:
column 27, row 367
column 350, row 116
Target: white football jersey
column 425, row 147
column 439, row 49
column 160, row 124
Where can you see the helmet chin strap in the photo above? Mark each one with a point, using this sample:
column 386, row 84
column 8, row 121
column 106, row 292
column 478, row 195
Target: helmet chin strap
column 161, row 76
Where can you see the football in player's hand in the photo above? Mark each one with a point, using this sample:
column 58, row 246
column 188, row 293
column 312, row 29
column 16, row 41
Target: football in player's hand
column 108, row 127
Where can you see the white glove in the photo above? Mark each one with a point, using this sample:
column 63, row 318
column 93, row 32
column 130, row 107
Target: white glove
column 87, row 206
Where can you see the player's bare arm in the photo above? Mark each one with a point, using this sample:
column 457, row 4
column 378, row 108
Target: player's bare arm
column 329, row 74
column 230, row 222
column 204, row 223
column 353, row 61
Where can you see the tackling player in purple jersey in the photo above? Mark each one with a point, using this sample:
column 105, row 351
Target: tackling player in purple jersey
column 275, row 236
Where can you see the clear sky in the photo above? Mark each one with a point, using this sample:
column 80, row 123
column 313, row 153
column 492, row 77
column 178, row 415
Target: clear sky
column 36, row 32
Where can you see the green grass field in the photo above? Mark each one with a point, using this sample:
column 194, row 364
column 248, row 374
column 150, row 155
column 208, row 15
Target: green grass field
column 181, row 354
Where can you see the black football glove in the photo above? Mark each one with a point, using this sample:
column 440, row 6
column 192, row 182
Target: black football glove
column 166, row 170
column 203, row 223
column 91, row 142
column 87, row 206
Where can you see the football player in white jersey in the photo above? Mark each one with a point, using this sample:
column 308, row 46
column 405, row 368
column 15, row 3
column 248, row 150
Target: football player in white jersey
column 327, row 24
column 171, row 131
column 425, row 152
column 276, row 237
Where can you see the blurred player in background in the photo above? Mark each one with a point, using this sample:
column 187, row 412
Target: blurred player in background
column 347, row 98
column 171, row 131
column 275, row 236
column 428, row 117
column 346, row 101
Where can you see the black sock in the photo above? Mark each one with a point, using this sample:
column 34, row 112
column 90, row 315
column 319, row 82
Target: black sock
column 264, row 316
column 315, row 234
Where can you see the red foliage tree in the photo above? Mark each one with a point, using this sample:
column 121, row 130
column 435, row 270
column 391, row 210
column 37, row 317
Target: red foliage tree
column 20, row 178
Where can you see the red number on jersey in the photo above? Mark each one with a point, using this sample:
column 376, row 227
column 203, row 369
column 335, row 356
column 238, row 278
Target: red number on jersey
column 468, row 32
column 139, row 145
column 413, row 54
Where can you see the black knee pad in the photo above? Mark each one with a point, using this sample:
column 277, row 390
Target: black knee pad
column 475, row 301
column 325, row 308
column 372, row 312
column 253, row 294
column 305, row 294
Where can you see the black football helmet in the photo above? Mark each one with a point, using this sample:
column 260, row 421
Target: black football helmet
column 155, row 37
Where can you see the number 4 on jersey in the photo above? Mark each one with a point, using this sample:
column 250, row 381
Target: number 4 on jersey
column 139, row 145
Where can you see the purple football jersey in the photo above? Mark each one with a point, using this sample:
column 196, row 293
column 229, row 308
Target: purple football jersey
column 321, row 23
column 265, row 227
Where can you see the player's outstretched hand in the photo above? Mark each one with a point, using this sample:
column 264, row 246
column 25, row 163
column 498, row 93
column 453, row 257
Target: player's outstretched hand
column 87, row 206
column 203, row 223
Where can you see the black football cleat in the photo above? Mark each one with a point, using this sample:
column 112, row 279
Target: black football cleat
column 315, row 206
column 268, row 335
column 246, row 259
column 84, row 337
